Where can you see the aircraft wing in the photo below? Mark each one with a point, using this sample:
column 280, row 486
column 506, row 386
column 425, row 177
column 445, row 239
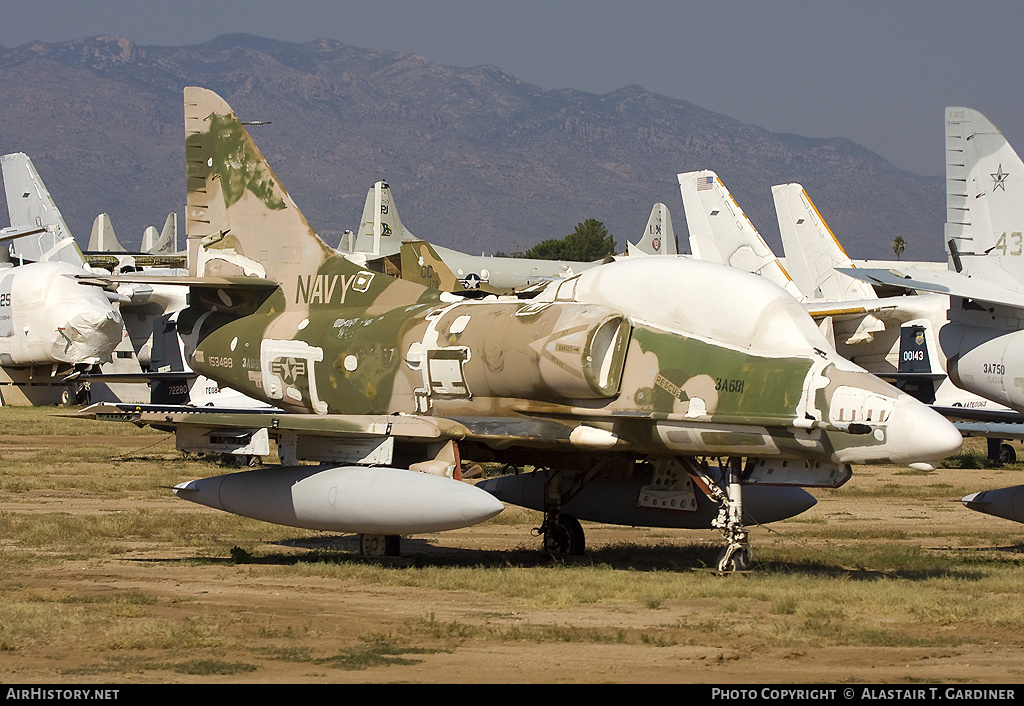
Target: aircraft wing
column 407, row 426
column 940, row 282
column 209, row 281
column 998, row 430
column 539, row 428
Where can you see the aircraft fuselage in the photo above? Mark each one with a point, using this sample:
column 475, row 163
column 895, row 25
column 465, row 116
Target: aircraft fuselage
column 47, row 317
column 618, row 359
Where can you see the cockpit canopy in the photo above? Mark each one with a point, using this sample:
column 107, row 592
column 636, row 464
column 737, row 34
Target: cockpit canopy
column 699, row 299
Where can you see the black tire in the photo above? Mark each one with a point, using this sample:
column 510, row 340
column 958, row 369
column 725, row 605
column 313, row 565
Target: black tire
column 566, row 537
column 1007, row 454
column 739, row 560
column 379, row 544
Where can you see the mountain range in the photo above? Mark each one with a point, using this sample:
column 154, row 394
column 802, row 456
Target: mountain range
column 477, row 159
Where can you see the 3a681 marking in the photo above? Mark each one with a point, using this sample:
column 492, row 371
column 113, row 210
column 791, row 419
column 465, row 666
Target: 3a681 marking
column 729, row 384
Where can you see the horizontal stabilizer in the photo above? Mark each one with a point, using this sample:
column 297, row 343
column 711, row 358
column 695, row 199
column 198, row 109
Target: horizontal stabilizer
column 12, row 232
column 940, row 282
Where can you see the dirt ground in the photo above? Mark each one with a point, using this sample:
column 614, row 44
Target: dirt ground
column 317, row 615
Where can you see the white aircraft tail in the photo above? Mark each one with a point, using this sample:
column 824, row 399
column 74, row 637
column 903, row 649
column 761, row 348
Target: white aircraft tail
column 720, row 231
column 381, row 231
column 102, row 238
column 658, row 238
column 984, row 200
column 164, row 243
column 812, row 251
column 30, row 204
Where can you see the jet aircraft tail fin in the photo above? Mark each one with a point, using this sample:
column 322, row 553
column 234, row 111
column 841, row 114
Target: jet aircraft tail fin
column 658, row 238
column 239, row 219
column 166, row 243
column 102, row 238
column 381, row 232
column 720, row 231
column 812, row 250
column 984, row 193
column 423, row 265
column 241, row 222
column 914, row 373
column 30, row 204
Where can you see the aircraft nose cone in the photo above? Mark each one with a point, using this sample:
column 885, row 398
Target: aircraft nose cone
column 918, row 433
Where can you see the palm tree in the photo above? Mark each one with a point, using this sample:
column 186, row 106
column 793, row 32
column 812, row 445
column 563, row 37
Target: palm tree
column 898, row 245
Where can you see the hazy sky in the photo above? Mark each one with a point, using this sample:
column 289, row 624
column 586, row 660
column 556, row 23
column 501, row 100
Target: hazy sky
column 877, row 72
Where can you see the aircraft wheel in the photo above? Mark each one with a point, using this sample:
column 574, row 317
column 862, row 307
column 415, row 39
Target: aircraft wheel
column 83, row 394
column 1006, row 454
column 734, row 559
column 565, row 537
column 376, row 545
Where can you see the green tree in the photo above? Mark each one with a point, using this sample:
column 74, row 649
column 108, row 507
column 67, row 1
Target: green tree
column 590, row 241
column 898, row 245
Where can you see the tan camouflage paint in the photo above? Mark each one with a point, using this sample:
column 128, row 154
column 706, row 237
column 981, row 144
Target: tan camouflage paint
column 337, row 339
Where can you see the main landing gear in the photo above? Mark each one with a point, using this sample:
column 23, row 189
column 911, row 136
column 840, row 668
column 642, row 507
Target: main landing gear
column 378, row 545
column 1000, row 453
column 563, row 535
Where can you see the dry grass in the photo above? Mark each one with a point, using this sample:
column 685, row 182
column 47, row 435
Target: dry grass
column 830, row 578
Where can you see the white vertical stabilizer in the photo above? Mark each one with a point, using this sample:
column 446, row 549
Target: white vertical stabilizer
column 984, row 201
column 721, row 232
column 29, row 204
column 658, row 238
column 164, row 243
column 381, row 231
column 812, row 251
column 102, row 238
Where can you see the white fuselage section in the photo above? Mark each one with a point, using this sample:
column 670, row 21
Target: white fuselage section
column 47, row 317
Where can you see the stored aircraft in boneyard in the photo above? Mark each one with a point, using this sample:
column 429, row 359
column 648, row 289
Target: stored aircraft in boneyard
column 984, row 239
column 382, row 239
column 50, row 324
column 889, row 336
column 639, row 399
column 421, row 262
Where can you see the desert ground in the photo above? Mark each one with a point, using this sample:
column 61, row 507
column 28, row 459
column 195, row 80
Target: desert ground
column 107, row 578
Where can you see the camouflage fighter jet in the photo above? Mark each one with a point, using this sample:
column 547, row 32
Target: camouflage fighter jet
column 636, row 397
column 422, row 264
